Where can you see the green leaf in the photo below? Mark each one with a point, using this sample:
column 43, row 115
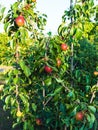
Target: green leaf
column 71, row 94
column 92, row 109
column 92, row 120
column 25, row 126
column 61, row 28
column 23, row 98
column 6, row 26
column 48, row 120
column 87, row 79
column 7, row 99
column 57, row 90
column 87, row 88
column 62, row 108
column 82, row 128
column 74, row 110
column 13, row 101
column 34, row 107
column 78, row 34
column 14, row 125
column 59, row 80
column 27, row 71
column 16, row 80
column 25, row 68
column 88, row 26
column 2, row 10
column 88, row 117
column 22, row 64
column 25, row 101
column 75, row 128
column 73, row 30
column 48, row 81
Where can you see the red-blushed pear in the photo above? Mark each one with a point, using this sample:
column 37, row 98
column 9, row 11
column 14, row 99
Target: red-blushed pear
column 20, row 21
column 79, row 116
column 58, row 62
column 48, row 69
column 64, row 47
column 38, row 121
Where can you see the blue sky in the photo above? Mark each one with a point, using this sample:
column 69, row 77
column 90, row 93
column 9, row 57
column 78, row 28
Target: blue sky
column 53, row 8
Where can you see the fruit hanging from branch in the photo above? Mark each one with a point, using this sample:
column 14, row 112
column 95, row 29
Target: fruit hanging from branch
column 38, row 121
column 20, row 21
column 64, row 47
column 58, row 62
column 79, row 116
column 48, row 69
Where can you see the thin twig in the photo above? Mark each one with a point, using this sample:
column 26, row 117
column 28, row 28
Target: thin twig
column 93, row 96
column 44, row 93
column 47, row 101
column 17, row 87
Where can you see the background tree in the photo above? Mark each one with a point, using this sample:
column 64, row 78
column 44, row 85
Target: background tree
column 80, row 37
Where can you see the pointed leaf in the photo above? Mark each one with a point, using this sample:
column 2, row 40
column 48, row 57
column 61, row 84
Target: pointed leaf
column 25, row 68
column 92, row 109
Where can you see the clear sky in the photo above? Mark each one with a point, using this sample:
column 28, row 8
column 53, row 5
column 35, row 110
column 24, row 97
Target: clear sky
column 53, row 8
